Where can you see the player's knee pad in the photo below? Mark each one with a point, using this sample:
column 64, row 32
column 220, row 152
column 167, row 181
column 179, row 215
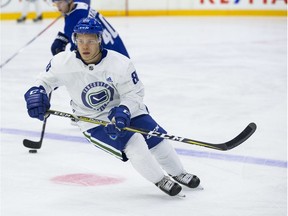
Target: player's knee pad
column 166, row 155
column 163, row 149
column 136, row 147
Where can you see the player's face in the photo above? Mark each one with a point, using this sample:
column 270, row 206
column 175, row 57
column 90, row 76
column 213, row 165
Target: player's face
column 63, row 6
column 89, row 47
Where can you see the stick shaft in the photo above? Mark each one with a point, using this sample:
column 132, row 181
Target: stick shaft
column 243, row 136
column 27, row 44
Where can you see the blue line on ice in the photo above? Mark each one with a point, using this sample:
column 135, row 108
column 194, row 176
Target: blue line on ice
column 185, row 152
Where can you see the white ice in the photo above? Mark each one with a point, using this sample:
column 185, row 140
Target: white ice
column 206, row 78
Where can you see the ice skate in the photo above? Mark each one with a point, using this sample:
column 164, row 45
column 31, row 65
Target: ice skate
column 21, row 19
column 187, row 179
column 168, row 186
column 37, row 19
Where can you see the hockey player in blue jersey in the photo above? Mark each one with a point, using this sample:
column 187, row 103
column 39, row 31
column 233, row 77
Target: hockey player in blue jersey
column 103, row 84
column 73, row 11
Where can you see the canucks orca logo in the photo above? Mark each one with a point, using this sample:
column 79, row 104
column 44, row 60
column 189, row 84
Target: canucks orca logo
column 97, row 95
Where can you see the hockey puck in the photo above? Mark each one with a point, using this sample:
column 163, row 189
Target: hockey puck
column 32, row 151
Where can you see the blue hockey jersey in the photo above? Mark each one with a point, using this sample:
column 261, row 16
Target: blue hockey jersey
column 111, row 38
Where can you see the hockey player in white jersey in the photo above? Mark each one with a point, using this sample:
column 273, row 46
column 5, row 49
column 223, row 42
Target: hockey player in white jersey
column 103, row 84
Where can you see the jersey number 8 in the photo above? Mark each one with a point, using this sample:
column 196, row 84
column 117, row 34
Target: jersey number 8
column 135, row 78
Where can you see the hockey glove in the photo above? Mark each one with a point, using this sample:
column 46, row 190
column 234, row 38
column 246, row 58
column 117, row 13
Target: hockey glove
column 37, row 102
column 114, row 131
column 59, row 43
column 120, row 118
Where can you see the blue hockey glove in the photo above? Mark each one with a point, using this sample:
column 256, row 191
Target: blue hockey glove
column 113, row 131
column 37, row 102
column 120, row 118
column 120, row 115
column 59, row 43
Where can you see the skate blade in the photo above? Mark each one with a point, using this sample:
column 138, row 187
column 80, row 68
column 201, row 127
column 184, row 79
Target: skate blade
column 181, row 195
column 199, row 188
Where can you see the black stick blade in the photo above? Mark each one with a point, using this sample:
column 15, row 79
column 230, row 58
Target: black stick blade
column 32, row 144
column 242, row 137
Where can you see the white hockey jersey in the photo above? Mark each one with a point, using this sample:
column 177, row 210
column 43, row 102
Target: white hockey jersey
column 95, row 88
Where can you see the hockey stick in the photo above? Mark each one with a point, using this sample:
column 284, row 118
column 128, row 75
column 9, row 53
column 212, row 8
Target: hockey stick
column 5, row 3
column 244, row 135
column 37, row 144
column 20, row 50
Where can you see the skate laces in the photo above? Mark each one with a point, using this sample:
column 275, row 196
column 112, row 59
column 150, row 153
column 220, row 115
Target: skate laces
column 168, row 186
column 187, row 179
column 184, row 178
column 166, row 183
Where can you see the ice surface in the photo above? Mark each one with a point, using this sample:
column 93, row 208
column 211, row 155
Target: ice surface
column 206, row 78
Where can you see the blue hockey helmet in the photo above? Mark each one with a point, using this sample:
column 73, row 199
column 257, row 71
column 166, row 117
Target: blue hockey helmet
column 88, row 26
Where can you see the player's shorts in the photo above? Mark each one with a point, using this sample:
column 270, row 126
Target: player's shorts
column 102, row 140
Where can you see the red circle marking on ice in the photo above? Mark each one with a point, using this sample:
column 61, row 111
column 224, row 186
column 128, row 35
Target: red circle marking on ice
column 86, row 180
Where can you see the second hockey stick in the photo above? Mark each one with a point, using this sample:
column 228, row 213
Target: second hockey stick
column 20, row 50
column 240, row 138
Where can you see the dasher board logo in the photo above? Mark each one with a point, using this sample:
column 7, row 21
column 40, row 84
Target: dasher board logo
column 225, row 2
column 97, row 95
